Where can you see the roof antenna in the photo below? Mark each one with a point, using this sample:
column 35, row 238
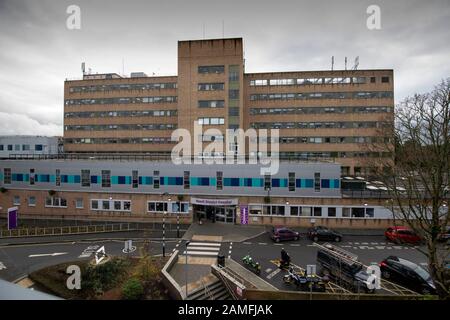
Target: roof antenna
column 332, row 63
column 203, row 31
column 223, row 28
column 346, row 63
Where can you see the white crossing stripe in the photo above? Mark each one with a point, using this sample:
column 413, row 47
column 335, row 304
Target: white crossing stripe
column 201, row 253
column 278, row 244
column 203, row 248
column 247, row 243
column 205, row 244
column 379, row 247
column 262, row 243
column 268, row 270
column 274, row 273
column 2, row 266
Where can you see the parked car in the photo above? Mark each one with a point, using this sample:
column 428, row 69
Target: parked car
column 399, row 234
column 282, row 234
column 407, row 274
column 344, row 268
column 320, row 233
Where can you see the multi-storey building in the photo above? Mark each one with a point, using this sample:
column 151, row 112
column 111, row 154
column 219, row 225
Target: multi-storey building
column 320, row 114
column 11, row 146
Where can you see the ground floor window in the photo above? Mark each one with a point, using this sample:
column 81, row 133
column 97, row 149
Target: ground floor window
column 16, row 200
column 167, row 207
column 79, row 203
column 31, row 201
column 56, row 202
column 110, row 205
column 332, row 212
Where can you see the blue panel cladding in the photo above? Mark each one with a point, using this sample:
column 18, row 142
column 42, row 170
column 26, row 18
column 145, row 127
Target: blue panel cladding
column 44, row 177
column 275, row 183
column 325, row 183
column 95, row 179
column 76, row 179
column 309, row 183
column 52, row 178
column 114, row 180
column 64, row 178
column 121, row 180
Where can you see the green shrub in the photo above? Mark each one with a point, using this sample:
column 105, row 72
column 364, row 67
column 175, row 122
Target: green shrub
column 104, row 276
column 132, row 289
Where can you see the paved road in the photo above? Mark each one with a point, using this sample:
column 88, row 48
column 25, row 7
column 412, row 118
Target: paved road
column 368, row 249
column 19, row 260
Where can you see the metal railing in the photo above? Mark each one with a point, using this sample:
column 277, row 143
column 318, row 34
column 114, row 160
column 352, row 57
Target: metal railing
column 67, row 230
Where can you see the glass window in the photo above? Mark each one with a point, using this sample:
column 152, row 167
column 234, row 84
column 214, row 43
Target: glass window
column 306, row 211
column 294, row 211
column 127, row 205
column 94, row 204
column 186, row 180
column 117, row 205
column 135, row 178
column 85, row 178
column 317, row 181
column 211, row 69
column 16, row 200
column 79, row 203
column 7, row 175
column 31, row 201
column 317, row 211
column 332, row 212
column 106, row 178
column 105, row 205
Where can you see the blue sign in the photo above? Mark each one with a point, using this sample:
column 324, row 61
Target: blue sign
column 13, row 218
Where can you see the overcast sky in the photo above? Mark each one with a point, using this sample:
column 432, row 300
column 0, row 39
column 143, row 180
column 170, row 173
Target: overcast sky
column 38, row 51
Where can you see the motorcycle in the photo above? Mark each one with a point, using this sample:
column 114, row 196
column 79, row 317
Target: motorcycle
column 303, row 282
column 250, row 263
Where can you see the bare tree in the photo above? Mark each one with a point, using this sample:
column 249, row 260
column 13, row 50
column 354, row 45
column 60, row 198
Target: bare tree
column 417, row 174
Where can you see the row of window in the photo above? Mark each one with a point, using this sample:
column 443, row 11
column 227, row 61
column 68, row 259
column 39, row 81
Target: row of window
column 127, row 100
column 211, row 103
column 23, row 147
column 286, row 140
column 134, row 113
column 124, row 86
column 299, row 155
column 102, row 127
column 50, row 202
column 211, row 86
column 150, row 140
column 315, row 81
column 106, row 180
column 322, row 95
column 211, row 121
column 318, row 110
column 211, row 69
column 318, row 125
column 310, row 211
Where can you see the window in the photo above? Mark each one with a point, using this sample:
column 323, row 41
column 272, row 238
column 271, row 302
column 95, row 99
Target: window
column 233, row 94
column 370, row 212
column 56, row 202
column 79, row 203
column 372, row 79
column 105, row 204
column 94, row 204
column 126, row 205
column 38, row 147
column 305, row 211
column 332, row 212
column 32, row 177
column 31, row 201
column 85, row 178
column 157, row 206
column 106, row 178
column 134, row 178
column 219, row 180
column 7, row 175
column 58, row 177
column 385, row 79
column 10, row 147
column 211, row 86
column 16, row 200
column 186, row 180
column 291, row 181
column 1, row 147
column 317, row 181
column 117, row 205
column 317, row 211
column 211, row 69
column 156, row 179
column 358, row 212
column 211, row 103
column 294, row 210
column 267, row 182
column 25, row 147
column 17, row 147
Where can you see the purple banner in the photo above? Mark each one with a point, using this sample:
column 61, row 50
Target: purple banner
column 244, row 214
column 12, row 218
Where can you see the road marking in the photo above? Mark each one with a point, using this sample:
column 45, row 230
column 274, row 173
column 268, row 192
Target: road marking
column 47, row 254
column 389, row 248
column 247, row 243
column 294, row 245
column 365, row 247
column 268, row 270
column 397, row 247
column 355, row 242
column 310, row 245
column 202, row 248
column 380, row 247
column 274, row 273
column 364, row 243
column 350, row 242
column 202, row 253
column 278, row 244
column 374, row 243
column 2, row 266
column 346, row 246
column 205, row 244
column 262, row 243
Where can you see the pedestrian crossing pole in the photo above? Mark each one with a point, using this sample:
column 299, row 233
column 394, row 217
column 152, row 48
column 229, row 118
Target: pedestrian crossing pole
column 164, row 235
column 178, row 225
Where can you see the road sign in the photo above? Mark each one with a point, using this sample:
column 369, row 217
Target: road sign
column 12, row 218
column 2, row 266
column 129, row 247
column 100, row 254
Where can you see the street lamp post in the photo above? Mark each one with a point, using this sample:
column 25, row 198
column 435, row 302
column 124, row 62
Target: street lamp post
column 178, row 223
column 186, row 267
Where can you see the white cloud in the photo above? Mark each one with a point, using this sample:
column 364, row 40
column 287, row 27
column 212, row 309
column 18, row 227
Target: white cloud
column 14, row 123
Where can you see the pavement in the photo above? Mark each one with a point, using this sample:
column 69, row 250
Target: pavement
column 228, row 232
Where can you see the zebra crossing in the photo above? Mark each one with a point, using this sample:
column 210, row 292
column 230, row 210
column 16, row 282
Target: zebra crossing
column 210, row 249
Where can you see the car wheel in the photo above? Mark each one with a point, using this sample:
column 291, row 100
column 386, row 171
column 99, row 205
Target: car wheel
column 277, row 240
column 337, row 239
column 386, row 274
column 315, row 239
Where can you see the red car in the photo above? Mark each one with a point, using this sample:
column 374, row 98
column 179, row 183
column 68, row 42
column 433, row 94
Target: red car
column 402, row 235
